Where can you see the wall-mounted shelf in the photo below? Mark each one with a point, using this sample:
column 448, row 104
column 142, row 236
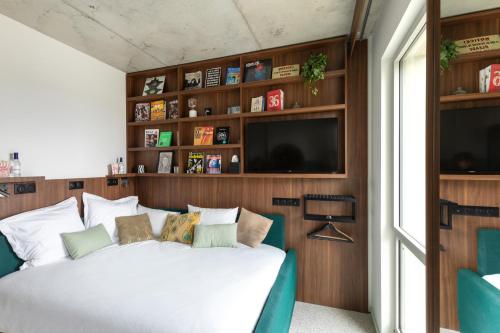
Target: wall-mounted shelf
column 478, row 56
column 242, row 175
column 468, row 97
column 330, row 102
column 468, row 177
column 11, row 180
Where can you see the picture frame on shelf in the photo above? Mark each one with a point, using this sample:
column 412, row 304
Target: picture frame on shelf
column 212, row 77
column 193, row 80
column 154, row 85
column 165, row 162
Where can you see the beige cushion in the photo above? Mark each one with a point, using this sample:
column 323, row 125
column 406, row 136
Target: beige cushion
column 252, row 228
column 136, row 228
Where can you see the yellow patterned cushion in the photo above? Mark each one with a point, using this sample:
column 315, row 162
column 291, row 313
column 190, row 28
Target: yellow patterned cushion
column 180, row 228
column 133, row 229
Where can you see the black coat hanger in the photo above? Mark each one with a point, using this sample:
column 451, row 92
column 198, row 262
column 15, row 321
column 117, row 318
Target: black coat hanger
column 334, row 235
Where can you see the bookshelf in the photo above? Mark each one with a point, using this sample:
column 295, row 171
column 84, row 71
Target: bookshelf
column 330, row 102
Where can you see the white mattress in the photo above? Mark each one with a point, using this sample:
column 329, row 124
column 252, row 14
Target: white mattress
column 143, row 287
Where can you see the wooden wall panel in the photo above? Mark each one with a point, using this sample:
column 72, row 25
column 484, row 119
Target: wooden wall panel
column 50, row 192
column 329, row 273
column 460, row 243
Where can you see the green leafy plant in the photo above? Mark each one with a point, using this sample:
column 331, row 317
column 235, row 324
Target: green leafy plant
column 314, row 70
column 447, row 54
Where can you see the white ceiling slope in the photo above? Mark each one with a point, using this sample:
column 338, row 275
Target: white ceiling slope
column 134, row 35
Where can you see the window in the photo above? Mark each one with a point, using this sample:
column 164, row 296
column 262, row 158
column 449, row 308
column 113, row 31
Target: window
column 409, row 181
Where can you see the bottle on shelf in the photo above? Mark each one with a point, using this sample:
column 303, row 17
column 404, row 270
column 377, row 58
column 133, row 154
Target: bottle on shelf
column 115, row 167
column 15, row 165
column 121, row 166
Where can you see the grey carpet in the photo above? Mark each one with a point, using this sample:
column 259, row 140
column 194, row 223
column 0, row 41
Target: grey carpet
column 322, row 319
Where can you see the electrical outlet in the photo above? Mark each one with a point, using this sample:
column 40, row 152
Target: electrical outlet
column 286, row 202
column 76, row 185
column 112, row 181
column 24, row 188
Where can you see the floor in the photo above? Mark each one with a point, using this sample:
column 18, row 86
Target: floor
column 311, row 318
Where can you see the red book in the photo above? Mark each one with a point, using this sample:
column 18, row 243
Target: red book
column 493, row 83
column 275, row 100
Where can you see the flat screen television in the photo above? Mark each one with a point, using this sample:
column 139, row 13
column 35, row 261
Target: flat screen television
column 292, row 146
column 470, row 141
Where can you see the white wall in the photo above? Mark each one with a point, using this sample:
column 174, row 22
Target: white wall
column 62, row 110
column 388, row 34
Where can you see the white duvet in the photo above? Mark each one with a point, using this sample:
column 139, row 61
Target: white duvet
column 143, row 287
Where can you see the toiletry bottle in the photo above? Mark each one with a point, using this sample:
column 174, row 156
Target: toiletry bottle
column 114, row 167
column 15, row 165
column 121, row 166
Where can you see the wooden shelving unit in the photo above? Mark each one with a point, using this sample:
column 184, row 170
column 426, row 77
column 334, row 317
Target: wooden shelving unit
column 330, row 104
column 468, row 97
column 469, row 177
column 12, row 180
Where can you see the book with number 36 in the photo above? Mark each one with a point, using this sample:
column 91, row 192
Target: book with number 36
column 275, row 100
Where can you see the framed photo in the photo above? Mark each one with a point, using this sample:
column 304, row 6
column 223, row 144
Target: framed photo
column 165, row 162
column 154, row 85
column 193, row 80
column 212, row 78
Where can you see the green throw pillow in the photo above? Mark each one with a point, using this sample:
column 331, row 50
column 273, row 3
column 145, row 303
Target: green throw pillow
column 215, row 235
column 81, row 243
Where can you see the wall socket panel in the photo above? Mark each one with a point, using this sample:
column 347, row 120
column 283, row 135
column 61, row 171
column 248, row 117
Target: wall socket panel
column 76, row 185
column 286, row 202
column 24, row 188
column 112, row 181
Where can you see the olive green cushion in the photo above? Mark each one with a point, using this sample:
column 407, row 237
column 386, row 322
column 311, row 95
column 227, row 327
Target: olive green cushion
column 81, row 243
column 215, row 235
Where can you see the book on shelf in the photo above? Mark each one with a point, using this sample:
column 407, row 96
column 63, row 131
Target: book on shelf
column 195, row 163
column 154, row 85
column 275, row 100
column 142, row 112
column 173, row 109
column 214, row 164
column 258, row 104
column 165, row 139
column 221, row 136
column 489, row 79
column 158, row 110
column 258, row 70
column 286, row 71
column 165, row 162
column 193, row 80
column 233, row 75
column 203, row 136
column 212, row 77
column 151, row 137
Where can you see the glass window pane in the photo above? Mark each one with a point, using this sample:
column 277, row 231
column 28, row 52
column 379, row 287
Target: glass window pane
column 412, row 292
column 412, row 140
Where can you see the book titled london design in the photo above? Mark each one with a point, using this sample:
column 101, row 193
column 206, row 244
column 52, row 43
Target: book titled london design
column 195, row 163
column 258, row 70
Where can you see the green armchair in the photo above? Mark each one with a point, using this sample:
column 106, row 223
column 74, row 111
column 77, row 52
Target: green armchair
column 478, row 300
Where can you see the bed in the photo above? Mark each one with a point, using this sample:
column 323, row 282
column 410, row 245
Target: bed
column 125, row 289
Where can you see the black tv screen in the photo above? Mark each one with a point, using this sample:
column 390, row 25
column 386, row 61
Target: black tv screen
column 470, row 140
column 300, row 146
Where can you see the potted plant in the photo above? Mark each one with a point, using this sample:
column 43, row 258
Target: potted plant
column 313, row 70
column 447, row 54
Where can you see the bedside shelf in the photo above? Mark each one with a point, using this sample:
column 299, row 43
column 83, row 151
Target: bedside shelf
column 469, row 177
column 207, row 147
column 11, row 180
column 478, row 56
column 286, row 112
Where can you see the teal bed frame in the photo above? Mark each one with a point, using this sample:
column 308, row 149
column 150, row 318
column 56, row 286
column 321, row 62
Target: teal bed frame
column 276, row 316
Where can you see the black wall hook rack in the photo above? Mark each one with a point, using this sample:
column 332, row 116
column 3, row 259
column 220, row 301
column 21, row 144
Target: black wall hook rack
column 449, row 208
column 330, row 218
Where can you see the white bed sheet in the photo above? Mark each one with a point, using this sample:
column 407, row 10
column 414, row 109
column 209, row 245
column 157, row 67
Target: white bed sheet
column 143, row 287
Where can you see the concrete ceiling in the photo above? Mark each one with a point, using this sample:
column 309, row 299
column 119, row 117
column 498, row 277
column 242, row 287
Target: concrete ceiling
column 458, row 7
column 134, row 35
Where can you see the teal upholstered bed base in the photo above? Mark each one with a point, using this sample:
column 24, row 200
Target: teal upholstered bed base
column 277, row 313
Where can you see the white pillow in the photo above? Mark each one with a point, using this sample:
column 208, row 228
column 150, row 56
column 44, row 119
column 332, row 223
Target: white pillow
column 215, row 215
column 493, row 279
column 99, row 210
column 35, row 236
column 157, row 217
